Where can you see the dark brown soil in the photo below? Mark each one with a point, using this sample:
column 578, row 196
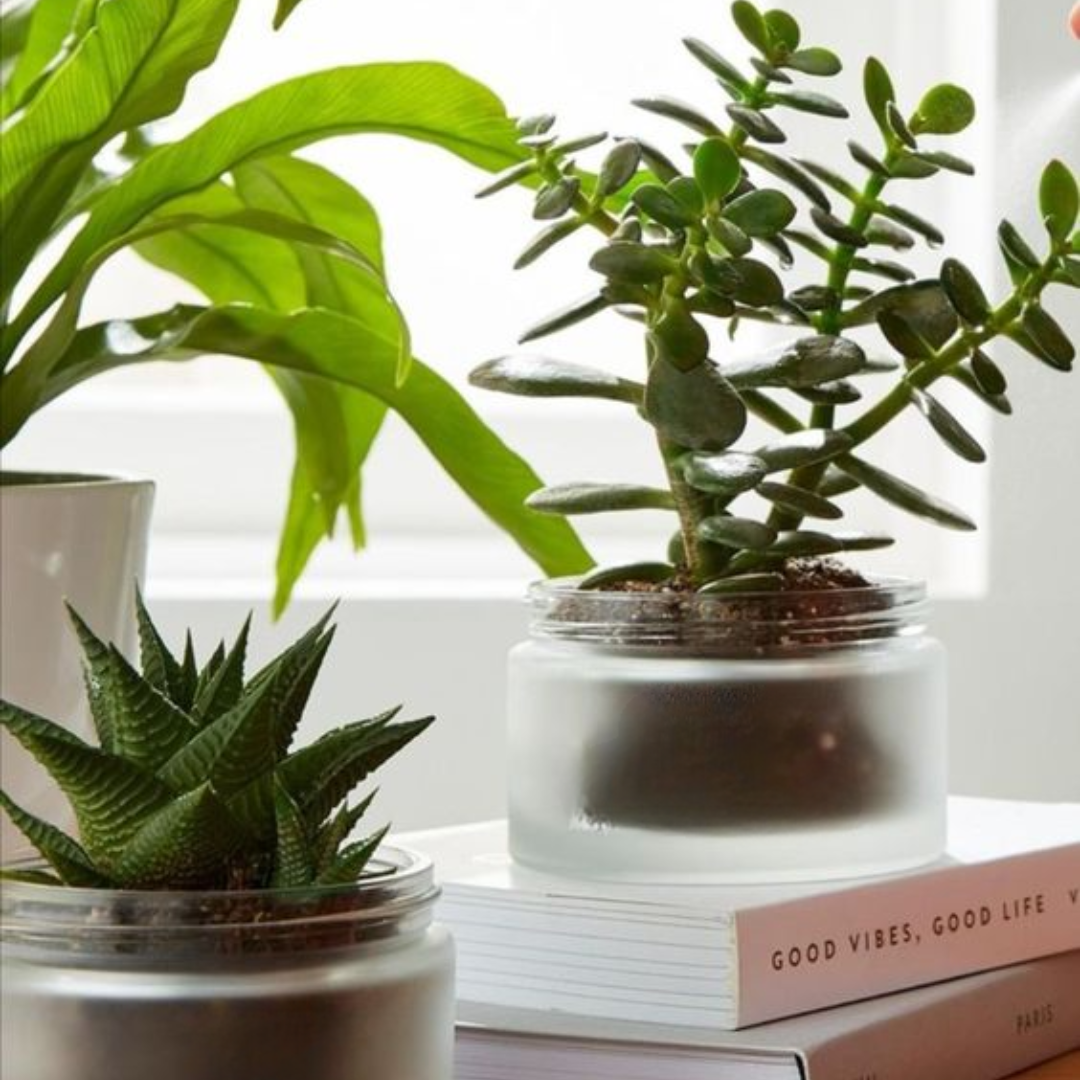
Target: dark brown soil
column 799, row 575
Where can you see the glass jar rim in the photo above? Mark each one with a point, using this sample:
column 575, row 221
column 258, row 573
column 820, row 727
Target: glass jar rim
column 739, row 623
column 398, row 898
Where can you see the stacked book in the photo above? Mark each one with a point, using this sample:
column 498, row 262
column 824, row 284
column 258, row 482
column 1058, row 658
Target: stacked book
column 965, row 970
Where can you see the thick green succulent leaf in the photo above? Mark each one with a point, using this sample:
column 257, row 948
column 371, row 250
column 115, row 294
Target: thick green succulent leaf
column 879, row 92
column 570, row 315
column 189, row 676
column 62, row 853
column 809, row 102
column 752, row 26
column 964, row 374
column 232, row 751
column 327, row 343
column 944, row 110
column 111, row 797
column 736, row 532
column 1059, row 200
column 990, row 377
column 953, row 434
column 160, row 668
column 761, row 213
column 923, row 305
column 541, row 376
column 1043, row 336
column 964, row 292
column 605, row 576
column 184, row 844
column 800, row 448
column 723, row 69
column 728, row 473
column 428, row 102
column 808, row 361
column 592, row 498
column 747, row 281
column 673, row 109
column 904, row 495
column 788, row 171
column 130, row 67
column 633, row 263
column 696, row 409
column 336, row 831
column 350, row 862
column 225, row 686
column 805, row 543
column 756, row 124
column 293, row 682
column 716, row 168
column 97, row 677
column 815, row 61
column 618, row 167
column 292, row 856
column 800, row 500
column 320, row 775
column 679, row 338
column 742, row 583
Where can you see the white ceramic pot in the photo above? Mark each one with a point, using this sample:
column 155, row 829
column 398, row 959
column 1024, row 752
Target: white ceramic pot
column 62, row 537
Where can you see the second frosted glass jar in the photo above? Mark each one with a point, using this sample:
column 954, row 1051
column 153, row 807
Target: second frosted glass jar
column 768, row 737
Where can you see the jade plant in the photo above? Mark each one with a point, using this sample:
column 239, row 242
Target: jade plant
column 286, row 253
column 193, row 783
column 742, row 231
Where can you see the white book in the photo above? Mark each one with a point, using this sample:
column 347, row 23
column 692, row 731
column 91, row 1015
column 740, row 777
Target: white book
column 725, row 957
column 978, row 1027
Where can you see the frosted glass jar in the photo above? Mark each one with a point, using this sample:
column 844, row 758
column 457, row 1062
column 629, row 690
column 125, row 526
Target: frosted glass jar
column 768, row 737
column 337, row 983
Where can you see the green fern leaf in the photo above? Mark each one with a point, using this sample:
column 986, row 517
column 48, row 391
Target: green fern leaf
column 223, row 688
column 159, row 666
column 63, row 854
column 334, row 833
column 185, row 844
column 111, row 797
column 320, row 775
column 349, row 865
column 292, row 861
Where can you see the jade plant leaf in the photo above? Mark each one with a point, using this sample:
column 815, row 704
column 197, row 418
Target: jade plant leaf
column 697, row 409
column 594, row 498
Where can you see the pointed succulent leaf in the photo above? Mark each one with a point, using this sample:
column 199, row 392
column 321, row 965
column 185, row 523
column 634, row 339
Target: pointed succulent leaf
column 147, row 728
column 541, row 376
column 570, row 315
column 944, row 110
column 685, row 114
column 904, row 495
column 59, row 850
column 232, row 751
column 292, row 856
column 336, row 831
column 592, row 498
column 761, row 213
column 97, row 677
column 803, row 448
column 756, row 124
column 955, row 436
column 861, row 541
column 349, row 865
column 209, row 670
column 189, row 676
column 802, row 501
column 804, row 362
column 184, row 844
column 222, row 691
column 320, row 775
column 964, row 292
column 728, row 473
column 736, row 532
column 716, row 168
column 697, row 409
column 159, row 665
column 111, row 797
